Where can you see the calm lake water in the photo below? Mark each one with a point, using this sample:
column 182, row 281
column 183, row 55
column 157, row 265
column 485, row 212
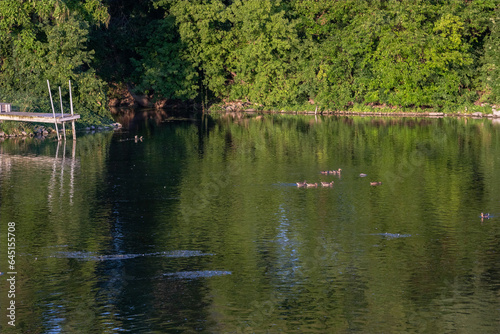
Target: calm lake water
column 199, row 227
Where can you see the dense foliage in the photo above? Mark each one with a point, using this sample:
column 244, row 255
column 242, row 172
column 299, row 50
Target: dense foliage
column 47, row 40
column 298, row 54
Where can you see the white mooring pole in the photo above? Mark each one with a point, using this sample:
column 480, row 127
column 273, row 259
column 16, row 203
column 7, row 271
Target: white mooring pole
column 53, row 111
column 71, row 105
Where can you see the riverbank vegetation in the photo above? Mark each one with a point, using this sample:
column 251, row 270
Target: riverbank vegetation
column 48, row 40
column 268, row 55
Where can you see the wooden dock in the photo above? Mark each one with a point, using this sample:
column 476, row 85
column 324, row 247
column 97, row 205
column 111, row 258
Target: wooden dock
column 42, row 118
column 60, row 118
column 6, row 114
column 37, row 117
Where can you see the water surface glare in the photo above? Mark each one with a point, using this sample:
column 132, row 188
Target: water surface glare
column 201, row 227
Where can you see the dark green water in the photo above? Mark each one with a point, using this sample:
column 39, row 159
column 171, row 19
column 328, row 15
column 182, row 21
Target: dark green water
column 200, row 227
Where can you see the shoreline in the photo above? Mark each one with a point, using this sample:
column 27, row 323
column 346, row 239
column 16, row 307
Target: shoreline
column 368, row 113
column 484, row 112
column 42, row 131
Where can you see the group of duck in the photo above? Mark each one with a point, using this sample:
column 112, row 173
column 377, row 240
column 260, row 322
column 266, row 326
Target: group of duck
column 338, row 171
column 330, row 184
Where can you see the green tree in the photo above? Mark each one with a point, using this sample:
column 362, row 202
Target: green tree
column 262, row 59
column 47, row 40
column 491, row 62
column 334, row 39
column 419, row 58
column 283, row 53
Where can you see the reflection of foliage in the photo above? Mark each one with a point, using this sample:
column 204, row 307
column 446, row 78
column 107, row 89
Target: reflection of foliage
column 329, row 243
column 82, row 319
column 311, row 257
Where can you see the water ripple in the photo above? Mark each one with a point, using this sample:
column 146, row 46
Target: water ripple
column 91, row 256
column 197, row 274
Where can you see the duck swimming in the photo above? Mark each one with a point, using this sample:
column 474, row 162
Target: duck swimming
column 485, row 216
column 375, row 183
column 331, row 172
column 301, row 184
column 327, row 184
column 311, row 185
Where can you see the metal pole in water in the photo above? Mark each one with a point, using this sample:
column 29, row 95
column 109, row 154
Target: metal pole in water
column 53, row 110
column 71, row 106
column 70, row 98
column 62, row 113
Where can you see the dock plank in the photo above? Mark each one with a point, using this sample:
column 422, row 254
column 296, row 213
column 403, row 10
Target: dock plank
column 38, row 117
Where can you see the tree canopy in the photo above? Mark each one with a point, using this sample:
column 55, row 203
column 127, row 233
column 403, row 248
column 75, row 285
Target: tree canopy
column 47, row 40
column 275, row 53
